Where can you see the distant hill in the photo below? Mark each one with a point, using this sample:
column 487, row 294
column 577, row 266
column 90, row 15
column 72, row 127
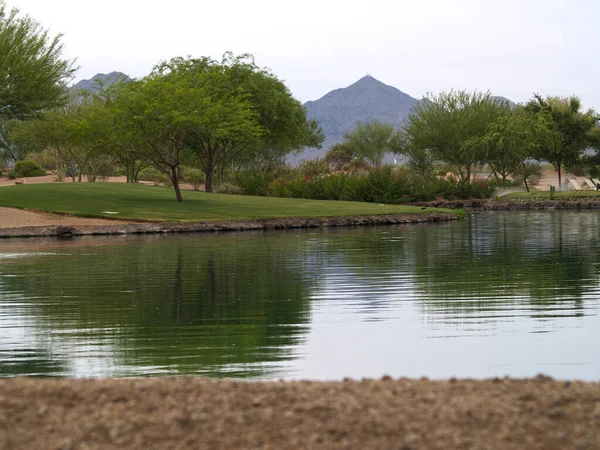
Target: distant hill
column 101, row 79
column 367, row 99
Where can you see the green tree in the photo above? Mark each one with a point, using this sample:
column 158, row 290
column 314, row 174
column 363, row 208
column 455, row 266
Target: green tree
column 178, row 102
column 33, row 73
column 514, row 137
column 278, row 124
column 340, row 155
column 577, row 130
column 65, row 131
column 372, row 140
column 451, row 126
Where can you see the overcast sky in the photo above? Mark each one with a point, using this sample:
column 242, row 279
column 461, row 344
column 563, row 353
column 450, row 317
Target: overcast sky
column 511, row 47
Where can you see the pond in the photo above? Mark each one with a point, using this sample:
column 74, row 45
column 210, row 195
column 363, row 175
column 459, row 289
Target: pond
column 499, row 293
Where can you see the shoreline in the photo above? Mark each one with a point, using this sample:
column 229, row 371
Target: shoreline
column 124, row 227
column 178, row 413
column 66, row 230
column 514, row 205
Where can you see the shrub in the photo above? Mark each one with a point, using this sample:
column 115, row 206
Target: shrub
column 195, row 177
column 312, row 168
column 253, row 183
column 11, row 174
column 154, row 175
column 28, row 168
column 228, row 188
column 100, row 168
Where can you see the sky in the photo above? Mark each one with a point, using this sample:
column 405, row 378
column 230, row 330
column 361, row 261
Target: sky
column 511, row 47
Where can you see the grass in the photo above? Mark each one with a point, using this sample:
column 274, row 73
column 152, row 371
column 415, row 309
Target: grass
column 545, row 195
column 151, row 203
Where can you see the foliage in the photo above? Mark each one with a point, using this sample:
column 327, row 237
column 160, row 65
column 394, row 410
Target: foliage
column 340, row 156
column 515, row 136
column 528, row 173
column 11, row 174
column 28, row 168
column 577, row 130
column 372, row 140
column 154, row 175
column 314, row 167
column 195, row 177
column 260, row 122
column 228, row 188
column 252, row 183
column 451, row 126
column 33, row 72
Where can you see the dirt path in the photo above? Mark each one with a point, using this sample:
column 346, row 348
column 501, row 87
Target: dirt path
column 192, row 413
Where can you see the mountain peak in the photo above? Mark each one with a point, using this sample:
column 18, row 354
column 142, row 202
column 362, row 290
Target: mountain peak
column 100, row 80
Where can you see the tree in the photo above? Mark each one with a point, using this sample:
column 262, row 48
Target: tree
column 65, row 131
column 340, row 155
column 451, row 126
column 185, row 103
column 577, row 130
column 372, row 140
column 33, row 73
column 514, row 137
column 279, row 123
column 103, row 123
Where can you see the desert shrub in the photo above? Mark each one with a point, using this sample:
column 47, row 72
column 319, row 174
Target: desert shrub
column 46, row 159
column 195, row 177
column 253, row 183
column 475, row 189
column 154, row 175
column 100, row 168
column 312, row 168
column 28, row 168
column 11, row 174
column 229, row 188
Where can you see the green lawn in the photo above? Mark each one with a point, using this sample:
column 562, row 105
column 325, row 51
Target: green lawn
column 545, row 195
column 134, row 201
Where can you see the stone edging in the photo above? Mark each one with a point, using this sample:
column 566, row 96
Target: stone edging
column 229, row 225
column 495, row 205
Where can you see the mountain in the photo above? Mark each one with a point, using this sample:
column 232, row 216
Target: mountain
column 367, row 99
column 100, row 79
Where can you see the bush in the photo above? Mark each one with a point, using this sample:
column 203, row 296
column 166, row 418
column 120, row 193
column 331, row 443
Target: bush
column 253, row 183
column 154, row 175
column 195, row 177
column 28, row 168
column 11, row 174
column 228, row 188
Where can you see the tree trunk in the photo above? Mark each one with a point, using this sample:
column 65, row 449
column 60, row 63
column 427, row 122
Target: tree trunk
column 559, row 177
column 209, row 172
column 175, row 181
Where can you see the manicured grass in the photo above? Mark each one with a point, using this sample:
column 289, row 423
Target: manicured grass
column 545, row 195
column 134, row 201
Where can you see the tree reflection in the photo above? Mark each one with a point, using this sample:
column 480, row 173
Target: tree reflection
column 230, row 305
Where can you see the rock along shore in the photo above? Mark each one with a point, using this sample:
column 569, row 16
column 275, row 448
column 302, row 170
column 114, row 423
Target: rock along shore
column 495, row 205
column 65, row 231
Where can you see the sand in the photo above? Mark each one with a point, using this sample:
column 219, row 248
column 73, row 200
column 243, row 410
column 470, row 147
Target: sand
column 192, row 413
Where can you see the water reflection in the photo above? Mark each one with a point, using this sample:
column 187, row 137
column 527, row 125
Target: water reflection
column 498, row 293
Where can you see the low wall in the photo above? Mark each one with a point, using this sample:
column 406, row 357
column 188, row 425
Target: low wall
column 229, row 225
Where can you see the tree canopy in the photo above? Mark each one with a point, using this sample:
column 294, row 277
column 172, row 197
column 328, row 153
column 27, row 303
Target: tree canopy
column 451, row 126
column 372, row 140
column 33, row 72
column 577, row 129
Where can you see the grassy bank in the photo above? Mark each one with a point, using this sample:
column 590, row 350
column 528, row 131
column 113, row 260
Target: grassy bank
column 134, row 201
column 535, row 196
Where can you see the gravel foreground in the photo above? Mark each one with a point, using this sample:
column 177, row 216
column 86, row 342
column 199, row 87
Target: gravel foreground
column 194, row 413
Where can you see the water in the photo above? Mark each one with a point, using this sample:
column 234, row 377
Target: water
column 500, row 293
